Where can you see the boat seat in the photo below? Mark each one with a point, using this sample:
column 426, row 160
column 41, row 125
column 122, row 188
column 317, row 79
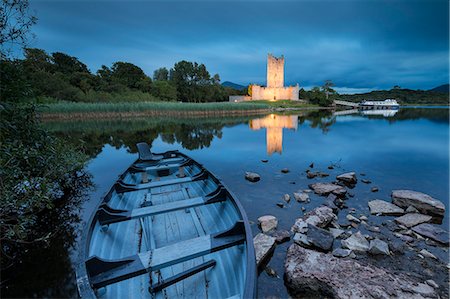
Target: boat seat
column 107, row 215
column 106, row 272
column 145, row 153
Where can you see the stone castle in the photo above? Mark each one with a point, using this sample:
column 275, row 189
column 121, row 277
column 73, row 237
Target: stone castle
column 275, row 89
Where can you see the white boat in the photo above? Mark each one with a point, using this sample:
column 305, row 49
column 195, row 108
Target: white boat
column 386, row 104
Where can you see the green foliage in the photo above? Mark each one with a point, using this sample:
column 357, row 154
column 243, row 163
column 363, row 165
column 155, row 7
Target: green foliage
column 161, row 74
column 164, row 90
column 37, row 170
column 318, row 96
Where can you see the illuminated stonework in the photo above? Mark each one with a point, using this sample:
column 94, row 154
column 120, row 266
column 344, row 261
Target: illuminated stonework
column 274, row 125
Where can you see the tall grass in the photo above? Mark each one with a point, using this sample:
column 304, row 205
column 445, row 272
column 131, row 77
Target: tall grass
column 71, row 107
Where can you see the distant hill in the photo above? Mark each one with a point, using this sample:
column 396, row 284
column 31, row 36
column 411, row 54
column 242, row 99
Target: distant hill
column 233, row 85
column 403, row 96
column 442, row 88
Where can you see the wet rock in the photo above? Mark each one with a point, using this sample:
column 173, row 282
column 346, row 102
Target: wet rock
column 252, row 176
column 320, row 217
column 356, row 242
column 300, row 226
column 421, row 201
column 336, row 232
column 432, row 283
column 326, row 188
column 267, row 223
column 341, row 252
column 413, row 219
column 264, row 160
column 404, row 238
column 377, row 246
column 280, row 204
column 374, row 229
column 264, row 246
column 382, row 207
column 301, row 197
column 352, row 218
column 271, row 272
column 330, row 203
column 363, row 218
column 323, row 275
column 311, row 165
column 281, row 236
column 365, row 181
column 303, row 209
column 301, row 239
column 348, row 178
column 284, row 170
column 426, row 253
column 320, row 238
column 433, row 232
column 331, row 167
column 422, row 289
column 374, row 189
column 390, row 225
column 311, row 175
column 287, row 198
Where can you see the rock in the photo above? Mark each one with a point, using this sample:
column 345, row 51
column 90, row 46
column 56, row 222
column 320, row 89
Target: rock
column 301, row 239
column 311, row 175
column 426, row 253
column 365, row 181
column 264, row 160
column 320, row 217
column 320, row 275
column 271, row 272
column 264, row 246
column 284, row 170
column 322, row 174
column 311, row 165
column 432, row 283
column 356, row 242
column 397, row 247
column 374, row 189
column 280, row 204
column 413, row 219
column 331, row 167
column 300, row 226
column 421, row 201
column 411, row 209
column 377, row 246
column 336, row 232
column 433, row 232
column 292, row 182
column 330, row 203
column 384, row 208
column 301, row 197
column 352, row 218
column 363, row 218
column 320, row 238
column 349, row 178
column 267, row 223
column 375, row 229
column 252, row 176
column 326, row 188
column 303, row 209
column 281, row 236
column 287, row 198
column 341, row 252
column 422, row 289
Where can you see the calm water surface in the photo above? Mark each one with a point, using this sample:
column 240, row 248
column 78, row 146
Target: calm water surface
column 404, row 150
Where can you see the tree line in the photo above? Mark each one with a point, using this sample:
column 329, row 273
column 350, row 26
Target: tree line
column 58, row 76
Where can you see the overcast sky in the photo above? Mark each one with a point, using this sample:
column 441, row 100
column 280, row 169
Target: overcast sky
column 357, row 44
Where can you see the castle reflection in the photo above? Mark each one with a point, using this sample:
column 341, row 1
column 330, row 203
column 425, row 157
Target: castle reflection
column 274, row 125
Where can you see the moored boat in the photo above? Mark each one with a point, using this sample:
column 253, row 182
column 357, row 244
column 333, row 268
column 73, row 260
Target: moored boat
column 390, row 104
column 168, row 228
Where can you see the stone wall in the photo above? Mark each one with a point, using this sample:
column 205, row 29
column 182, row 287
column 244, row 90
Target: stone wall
column 278, row 93
column 275, row 71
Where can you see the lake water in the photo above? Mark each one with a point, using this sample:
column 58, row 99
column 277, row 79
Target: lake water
column 408, row 149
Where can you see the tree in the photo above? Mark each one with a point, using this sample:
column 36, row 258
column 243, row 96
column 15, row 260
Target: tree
column 327, row 88
column 130, row 76
column 164, row 90
column 161, row 74
column 15, row 25
column 68, row 64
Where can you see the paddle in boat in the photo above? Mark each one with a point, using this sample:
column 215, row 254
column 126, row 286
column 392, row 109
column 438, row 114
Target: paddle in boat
column 168, row 228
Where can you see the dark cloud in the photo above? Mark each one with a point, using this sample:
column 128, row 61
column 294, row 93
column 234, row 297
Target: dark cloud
column 357, row 44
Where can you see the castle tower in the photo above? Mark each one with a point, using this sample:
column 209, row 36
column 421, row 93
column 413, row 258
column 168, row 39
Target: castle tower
column 275, row 71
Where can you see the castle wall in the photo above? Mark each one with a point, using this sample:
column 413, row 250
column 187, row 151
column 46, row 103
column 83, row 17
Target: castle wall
column 275, row 71
column 279, row 93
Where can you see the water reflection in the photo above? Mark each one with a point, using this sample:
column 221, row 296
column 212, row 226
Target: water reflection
column 274, row 125
column 384, row 113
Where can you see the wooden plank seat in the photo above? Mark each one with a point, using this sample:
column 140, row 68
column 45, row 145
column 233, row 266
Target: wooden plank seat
column 122, row 187
column 105, row 272
column 107, row 215
column 172, row 163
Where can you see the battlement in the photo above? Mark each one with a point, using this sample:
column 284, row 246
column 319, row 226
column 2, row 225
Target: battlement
column 275, row 71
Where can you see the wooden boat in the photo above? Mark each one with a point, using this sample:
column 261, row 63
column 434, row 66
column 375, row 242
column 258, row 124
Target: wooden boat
column 168, row 228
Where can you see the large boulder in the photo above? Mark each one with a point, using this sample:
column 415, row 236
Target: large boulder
column 348, row 178
column 309, row 272
column 433, row 232
column 413, row 219
column 264, row 246
column 320, row 217
column 421, row 201
column 384, row 208
column 326, row 188
column 267, row 223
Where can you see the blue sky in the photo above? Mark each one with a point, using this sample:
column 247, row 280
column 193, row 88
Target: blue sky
column 359, row 45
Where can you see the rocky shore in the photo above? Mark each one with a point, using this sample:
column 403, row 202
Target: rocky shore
column 341, row 252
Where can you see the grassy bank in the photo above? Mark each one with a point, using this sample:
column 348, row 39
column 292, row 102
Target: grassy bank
column 71, row 110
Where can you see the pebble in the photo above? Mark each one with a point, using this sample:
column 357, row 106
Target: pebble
column 287, row 198
column 264, row 160
column 374, row 189
column 280, row 204
column 284, row 170
column 363, row 218
column 366, row 181
column 352, row 218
